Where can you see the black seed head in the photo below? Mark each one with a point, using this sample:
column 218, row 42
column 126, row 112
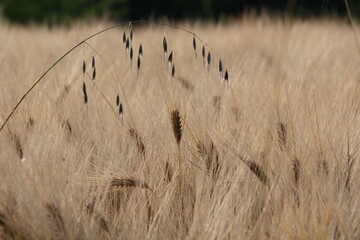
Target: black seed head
column 170, row 57
column 209, row 59
column 127, row 43
column 94, row 74
column 121, row 109
column 93, row 62
column 117, row 100
column 220, row 66
column 84, row 67
column 131, row 34
column 173, row 71
column 203, row 51
column 131, row 53
column 124, row 37
column 194, row 43
column 140, row 50
column 165, row 45
column 226, row 76
column 85, row 94
column 138, row 63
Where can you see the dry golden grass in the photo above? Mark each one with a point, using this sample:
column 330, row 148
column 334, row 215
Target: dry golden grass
column 271, row 155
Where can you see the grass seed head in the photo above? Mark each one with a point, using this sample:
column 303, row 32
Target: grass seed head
column 140, row 50
column 173, row 71
column 138, row 63
column 226, row 75
column 117, row 100
column 94, row 74
column 176, row 125
column 131, row 53
column 121, row 110
column 170, row 58
column 296, row 170
column 85, row 94
column 127, row 45
column 282, row 134
column 124, row 38
column 84, row 68
column 208, row 59
column 165, row 45
column 128, row 182
column 138, row 140
column 258, row 171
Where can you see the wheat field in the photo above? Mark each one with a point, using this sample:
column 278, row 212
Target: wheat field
column 272, row 153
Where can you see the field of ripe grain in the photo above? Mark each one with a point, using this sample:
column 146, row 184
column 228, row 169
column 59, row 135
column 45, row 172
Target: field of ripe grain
column 272, row 153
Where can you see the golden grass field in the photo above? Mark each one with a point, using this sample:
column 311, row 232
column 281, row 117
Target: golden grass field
column 272, row 154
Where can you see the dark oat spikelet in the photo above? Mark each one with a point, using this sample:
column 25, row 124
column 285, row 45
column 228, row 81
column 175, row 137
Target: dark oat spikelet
column 93, row 62
column 165, row 45
column 124, row 38
column 203, row 52
column 84, row 68
column 282, row 135
column 131, row 53
column 259, row 173
column 55, row 217
column 140, row 50
column 176, row 125
column 220, row 67
column 128, row 182
column 170, row 58
column 117, row 100
column 121, row 110
column 226, row 75
column 127, row 45
column 173, row 71
column 94, row 74
column 85, row 94
column 208, row 59
column 138, row 140
column 138, row 63
column 194, row 43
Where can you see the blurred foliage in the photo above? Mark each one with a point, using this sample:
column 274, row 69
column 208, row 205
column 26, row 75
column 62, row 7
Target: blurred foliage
column 64, row 11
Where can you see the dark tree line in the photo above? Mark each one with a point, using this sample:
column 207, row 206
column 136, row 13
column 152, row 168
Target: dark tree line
column 64, row 11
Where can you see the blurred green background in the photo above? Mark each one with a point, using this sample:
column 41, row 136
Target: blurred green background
column 65, row 11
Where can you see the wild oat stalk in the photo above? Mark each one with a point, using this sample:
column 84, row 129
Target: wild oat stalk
column 126, row 42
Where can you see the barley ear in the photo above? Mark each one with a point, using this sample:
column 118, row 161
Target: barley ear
column 176, row 125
